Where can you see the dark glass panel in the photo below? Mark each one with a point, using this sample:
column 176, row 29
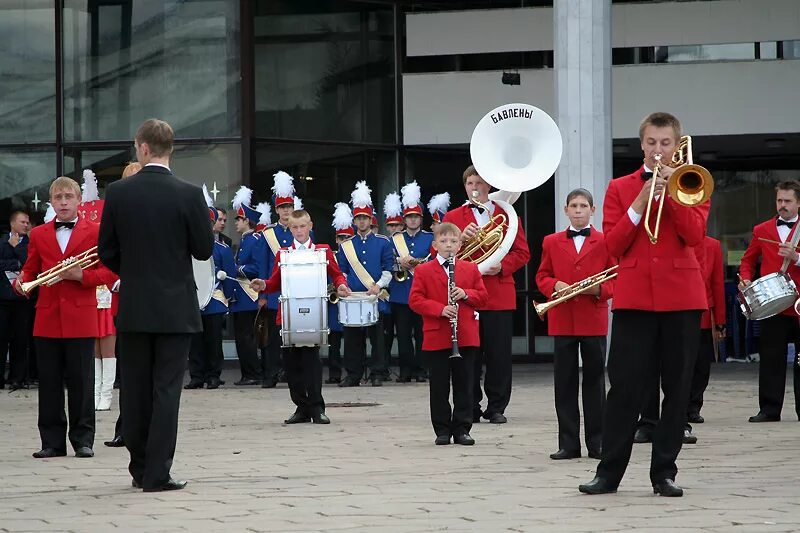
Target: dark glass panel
column 25, row 177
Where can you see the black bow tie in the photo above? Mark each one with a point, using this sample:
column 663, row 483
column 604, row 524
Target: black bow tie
column 782, row 222
column 585, row 232
column 646, row 175
column 68, row 225
column 478, row 208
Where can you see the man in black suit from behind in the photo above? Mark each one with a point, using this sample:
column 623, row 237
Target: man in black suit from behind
column 153, row 224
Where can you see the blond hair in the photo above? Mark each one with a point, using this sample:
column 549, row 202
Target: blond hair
column 299, row 215
column 63, row 183
column 446, row 228
column 660, row 119
column 130, row 169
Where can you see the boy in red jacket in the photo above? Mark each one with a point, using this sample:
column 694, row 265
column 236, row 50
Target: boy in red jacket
column 429, row 298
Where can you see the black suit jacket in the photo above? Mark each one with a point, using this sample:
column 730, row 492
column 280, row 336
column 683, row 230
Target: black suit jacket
column 153, row 224
column 11, row 259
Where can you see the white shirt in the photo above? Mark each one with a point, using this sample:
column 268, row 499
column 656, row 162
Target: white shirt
column 578, row 239
column 63, row 234
column 158, row 165
column 483, row 218
column 784, row 231
column 441, row 260
column 308, row 245
column 633, row 215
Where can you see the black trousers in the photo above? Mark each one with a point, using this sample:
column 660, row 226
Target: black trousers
column 271, row 364
column 457, row 421
column 641, row 340
column 409, row 341
column 153, row 365
column 304, row 374
column 565, row 377
column 650, row 403
column 70, row 361
column 246, row 349
column 205, row 355
column 776, row 333
column 389, row 324
column 355, row 349
column 702, row 372
column 335, row 354
column 495, row 353
column 15, row 337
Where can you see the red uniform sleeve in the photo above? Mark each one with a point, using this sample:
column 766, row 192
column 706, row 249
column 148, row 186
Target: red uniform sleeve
column 607, row 288
column 690, row 222
column 98, row 275
column 747, row 269
column 334, row 271
column 546, row 276
column 718, row 286
column 33, row 265
column 477, row 295
column 274, row 281
column 418, row 300
column 618, row 229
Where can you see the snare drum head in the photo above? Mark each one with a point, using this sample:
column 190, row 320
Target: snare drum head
column 204, row 279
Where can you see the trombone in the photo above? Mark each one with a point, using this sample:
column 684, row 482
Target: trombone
column 52, row 276
column 488, row 238
column 690, row 185
column 575, row 289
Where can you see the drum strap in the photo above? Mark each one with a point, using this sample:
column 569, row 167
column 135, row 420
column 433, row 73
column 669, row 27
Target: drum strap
column 219, row 296
column 272, row 240
column 400, row 244
column 244, row 283
column 359, row 270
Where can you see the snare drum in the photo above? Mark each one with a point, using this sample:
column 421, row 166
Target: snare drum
column 358, row 310
column 204, row 280
column 304, row 297
column 767, row 296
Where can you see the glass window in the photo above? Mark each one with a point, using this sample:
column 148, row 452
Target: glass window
column 28, row 67
column 768, row 50
column 25, row 177
column 705, row 52
column 791, row 49
column 325, row 71
column 128, row 61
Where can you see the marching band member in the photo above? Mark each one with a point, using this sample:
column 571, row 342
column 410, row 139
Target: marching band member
column 430, row 299
column 393, row 211
column 16, row 311
column 497, row 314
column 65, row 327
column 343, row 225
column 410, row 246
column 373, row 224
column 658, row 299
column 580, row 323
column 206, row 356
column 779, row 330
column 303, row 366
column 437, row 207
column 250, row 259
column 366, row 260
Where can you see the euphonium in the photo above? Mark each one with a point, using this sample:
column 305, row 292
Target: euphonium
column 488, row 238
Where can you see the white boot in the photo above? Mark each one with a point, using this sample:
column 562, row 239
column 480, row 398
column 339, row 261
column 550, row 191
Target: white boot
column 98, row 380
column 109, row 372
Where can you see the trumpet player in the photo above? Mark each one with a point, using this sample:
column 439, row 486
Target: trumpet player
column 445, row 303
column 497, row 314
column 66, row 323
column 658, row 299
column 569, row 257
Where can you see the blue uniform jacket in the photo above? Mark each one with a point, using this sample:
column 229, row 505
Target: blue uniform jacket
column 223, row 261
column 285, row 240
column 250, row 264
column 418, row 246
column 375, row 253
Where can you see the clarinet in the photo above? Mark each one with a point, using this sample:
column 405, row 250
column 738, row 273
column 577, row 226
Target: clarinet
column 451, row 284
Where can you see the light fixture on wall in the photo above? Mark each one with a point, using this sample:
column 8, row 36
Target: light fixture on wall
column 510, row 78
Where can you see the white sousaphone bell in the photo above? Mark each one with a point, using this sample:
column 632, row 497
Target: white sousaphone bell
column 515, row 148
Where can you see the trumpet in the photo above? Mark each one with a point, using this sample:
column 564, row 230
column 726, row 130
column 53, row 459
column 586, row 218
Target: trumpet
column 488, row 238
column 401, row 274
column 52, row 276
column 690, row 185
column 575, row 289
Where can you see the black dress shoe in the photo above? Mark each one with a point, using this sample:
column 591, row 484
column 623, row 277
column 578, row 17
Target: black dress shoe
column 320, row 418
column 441, row 440
column 688, row 438
column 17, row 386
column 269, row 383
column 668, row 488
column 297, row 418
column 598, row 485
column 244, row 382
column 116, row 442
column 762, row 417
column 403, row 379
column 421, row 379
column 172, row 484
column 330, row 381
column 643, row 435
column 84, row 451
column 347, row 382
column 194, row 384
column 46, row 453
column 136, row 484
column 595, row 454
column 496, row 418
column 464, row 439
column 565, row 454
column 213, row 383
column 695, row 418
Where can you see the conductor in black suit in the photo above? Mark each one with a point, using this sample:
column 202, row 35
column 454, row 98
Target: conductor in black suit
column 153, row 224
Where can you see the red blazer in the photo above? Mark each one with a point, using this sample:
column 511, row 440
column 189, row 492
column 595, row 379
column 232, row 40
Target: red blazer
column 274, row 281
column 654, row 277
column 583, row 315
column 768, row 252
column 67, row 309
column 428, row 298
column 501, row 287
column 710, row 256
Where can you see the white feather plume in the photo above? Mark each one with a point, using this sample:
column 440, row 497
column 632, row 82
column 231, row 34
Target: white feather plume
column 243, row 196
column 89, row 187
column 342, row 216
column 266, row 213
column 298, row 203
column 391, row 206
column 411, row 194
column 360, row 196
column 439, row 202
column 209, row 201
column 284, row 184
column 50, row 214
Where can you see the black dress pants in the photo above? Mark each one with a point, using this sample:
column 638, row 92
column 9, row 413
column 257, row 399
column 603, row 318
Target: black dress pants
column 495, row 353
column 457, row 421
column 70, row 361
column 389, row 324
column 152, row 378
column 304, row 374
column 565, row 377
column 639, row 339
column 271, row 364
column 15, row 337
column 246, row 349
column 409, row 341
column 205, row 355
column 776, row 333
column 702, row 372
column 355, row 349
column 335, row 355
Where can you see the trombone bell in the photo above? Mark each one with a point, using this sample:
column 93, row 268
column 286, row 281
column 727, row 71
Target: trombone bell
column 690, row 185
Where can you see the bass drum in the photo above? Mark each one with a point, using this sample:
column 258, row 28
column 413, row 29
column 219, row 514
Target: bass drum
column 204, row 279
column 304, row 297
